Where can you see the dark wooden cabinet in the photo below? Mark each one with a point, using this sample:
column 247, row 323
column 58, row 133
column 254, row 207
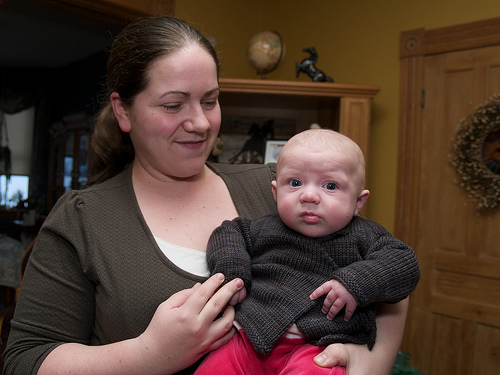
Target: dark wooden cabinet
column 342, row 107
column 69, row 146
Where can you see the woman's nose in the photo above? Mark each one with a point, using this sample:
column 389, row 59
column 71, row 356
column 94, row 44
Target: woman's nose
column 309, row 195
column 196, row 120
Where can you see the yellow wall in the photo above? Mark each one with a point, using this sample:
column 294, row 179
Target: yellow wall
column 357, row 42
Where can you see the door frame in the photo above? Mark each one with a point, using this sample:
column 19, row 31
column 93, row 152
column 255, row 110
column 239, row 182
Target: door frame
column 415, row 46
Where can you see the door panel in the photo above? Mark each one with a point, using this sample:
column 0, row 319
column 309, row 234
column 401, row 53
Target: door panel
column 454, row 318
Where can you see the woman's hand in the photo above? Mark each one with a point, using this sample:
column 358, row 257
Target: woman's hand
column 182, row 330
column 357, row 359
column 184, row 327
column 238, row 297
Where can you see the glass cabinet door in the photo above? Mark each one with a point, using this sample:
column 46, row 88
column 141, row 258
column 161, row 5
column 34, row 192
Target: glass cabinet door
column 69, row 156
column 82, row 159
column 68, row 162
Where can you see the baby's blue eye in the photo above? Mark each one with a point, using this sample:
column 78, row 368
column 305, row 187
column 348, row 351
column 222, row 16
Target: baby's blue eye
column 330, row 186
column 294, row 183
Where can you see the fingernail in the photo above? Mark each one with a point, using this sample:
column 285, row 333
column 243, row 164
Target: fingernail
column 220, row 276
column 320, row 359
column 239, row 283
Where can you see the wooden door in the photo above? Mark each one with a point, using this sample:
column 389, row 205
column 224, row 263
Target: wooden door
column 454, row 318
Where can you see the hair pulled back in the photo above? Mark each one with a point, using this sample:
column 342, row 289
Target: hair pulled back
column 133, row 52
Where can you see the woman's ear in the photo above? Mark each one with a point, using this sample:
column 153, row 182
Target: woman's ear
column 360, row 202
column 121, row 112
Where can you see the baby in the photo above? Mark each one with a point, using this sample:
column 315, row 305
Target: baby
column 316, row 257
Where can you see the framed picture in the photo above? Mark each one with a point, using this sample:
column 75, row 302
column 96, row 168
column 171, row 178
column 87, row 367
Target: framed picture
column 244, row 137
column 273, row 149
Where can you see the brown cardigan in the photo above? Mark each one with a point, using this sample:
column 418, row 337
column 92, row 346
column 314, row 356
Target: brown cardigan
column 95, row 273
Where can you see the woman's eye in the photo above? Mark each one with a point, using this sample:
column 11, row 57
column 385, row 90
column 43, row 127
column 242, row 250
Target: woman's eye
column 294, row 183
column 171, row 107
column 209, row 104
column 330, row 186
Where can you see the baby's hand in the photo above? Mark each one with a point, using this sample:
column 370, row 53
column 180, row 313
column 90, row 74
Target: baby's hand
column 337, row 297
column 238, row 297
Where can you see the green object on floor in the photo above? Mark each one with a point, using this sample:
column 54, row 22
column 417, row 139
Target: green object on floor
column 402, row 365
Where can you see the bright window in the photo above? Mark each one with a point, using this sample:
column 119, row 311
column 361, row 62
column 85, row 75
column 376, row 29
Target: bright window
column 18, row 135
column 17, row 188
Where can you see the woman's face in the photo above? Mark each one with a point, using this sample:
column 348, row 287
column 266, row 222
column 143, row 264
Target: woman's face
column 174, row 122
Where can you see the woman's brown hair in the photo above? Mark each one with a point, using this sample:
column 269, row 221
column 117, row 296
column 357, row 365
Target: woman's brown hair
column 133, row 51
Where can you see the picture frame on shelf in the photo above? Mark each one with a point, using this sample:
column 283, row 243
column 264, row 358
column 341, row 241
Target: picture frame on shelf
column 244, row 136
column 273, row 149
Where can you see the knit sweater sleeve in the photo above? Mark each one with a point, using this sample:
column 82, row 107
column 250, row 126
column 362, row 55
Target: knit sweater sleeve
column 388, row 270
column 49, row 311
column 228, row 250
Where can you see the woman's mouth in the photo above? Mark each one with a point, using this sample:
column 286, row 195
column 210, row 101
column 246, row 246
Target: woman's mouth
column 192, row 145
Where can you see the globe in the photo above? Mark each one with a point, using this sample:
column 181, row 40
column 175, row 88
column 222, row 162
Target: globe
column 265, row 52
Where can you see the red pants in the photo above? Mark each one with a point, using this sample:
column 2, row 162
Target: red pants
column 288, row 357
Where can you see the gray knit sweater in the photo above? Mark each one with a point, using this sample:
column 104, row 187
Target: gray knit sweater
column 281, row 268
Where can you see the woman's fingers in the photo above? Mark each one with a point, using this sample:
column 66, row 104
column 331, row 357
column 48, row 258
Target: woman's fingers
column 208, row 300
column 221, row 299
column 178, row 299
column 201, row 294
column 333, row 355
column 222, row 328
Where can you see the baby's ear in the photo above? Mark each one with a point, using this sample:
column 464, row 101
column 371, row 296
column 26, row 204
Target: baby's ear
column 360, row 202
column 273, row 184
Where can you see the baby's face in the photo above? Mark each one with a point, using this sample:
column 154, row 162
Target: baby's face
column 317, row 191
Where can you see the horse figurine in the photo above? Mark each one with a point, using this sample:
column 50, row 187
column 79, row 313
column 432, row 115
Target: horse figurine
column 307, row 66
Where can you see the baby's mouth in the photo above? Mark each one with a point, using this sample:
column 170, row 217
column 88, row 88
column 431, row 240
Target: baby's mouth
column 310, row 217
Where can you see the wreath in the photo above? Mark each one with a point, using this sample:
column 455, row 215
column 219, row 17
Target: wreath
column 475, row 151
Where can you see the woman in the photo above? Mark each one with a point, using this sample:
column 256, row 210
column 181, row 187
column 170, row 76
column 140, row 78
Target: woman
column 113, row 284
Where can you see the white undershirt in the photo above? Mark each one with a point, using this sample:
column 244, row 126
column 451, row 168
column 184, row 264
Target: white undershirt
column 190, row 260
column 195, row 262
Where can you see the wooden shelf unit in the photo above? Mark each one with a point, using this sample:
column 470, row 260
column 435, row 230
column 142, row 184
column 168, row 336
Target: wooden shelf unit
column 342, row 107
